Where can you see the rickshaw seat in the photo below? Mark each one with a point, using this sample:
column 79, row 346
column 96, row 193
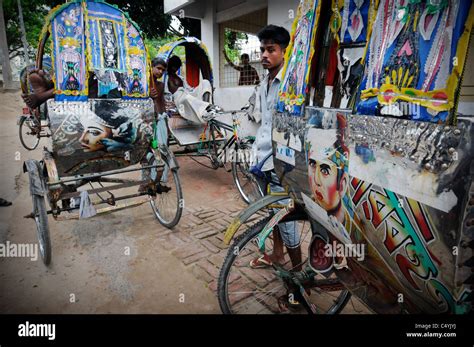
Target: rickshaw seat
column 200, row 90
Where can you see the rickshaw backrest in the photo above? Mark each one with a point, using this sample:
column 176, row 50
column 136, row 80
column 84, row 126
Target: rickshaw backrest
column 192, row 71
column 91, row 37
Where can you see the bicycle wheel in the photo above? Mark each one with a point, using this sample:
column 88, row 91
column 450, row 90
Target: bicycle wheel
column 244, row 290
column 167, row 204
column 244, row 180
column 42, row 228
column 29, row 132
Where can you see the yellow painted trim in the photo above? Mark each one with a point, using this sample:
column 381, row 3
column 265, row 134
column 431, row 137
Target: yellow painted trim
column 231, row 230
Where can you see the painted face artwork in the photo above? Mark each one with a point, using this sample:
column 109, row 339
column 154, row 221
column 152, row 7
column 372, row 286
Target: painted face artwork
column 92, row 136
column 324, row 184
column 328, row 176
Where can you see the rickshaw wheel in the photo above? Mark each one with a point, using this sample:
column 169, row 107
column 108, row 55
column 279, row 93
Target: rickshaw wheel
column 167, row 203
column 29, row 140
column 244, row 180
column 42, row 227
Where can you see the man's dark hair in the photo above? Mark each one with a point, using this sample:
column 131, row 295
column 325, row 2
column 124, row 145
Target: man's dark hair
column 245, row 56
column 159, row 61
column 278, row 35
column 174, row 61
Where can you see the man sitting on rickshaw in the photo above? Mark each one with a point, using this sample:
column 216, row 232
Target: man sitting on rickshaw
column 189, row 106
column 105, row 84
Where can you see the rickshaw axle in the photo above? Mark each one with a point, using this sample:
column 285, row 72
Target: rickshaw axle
column 102, row 174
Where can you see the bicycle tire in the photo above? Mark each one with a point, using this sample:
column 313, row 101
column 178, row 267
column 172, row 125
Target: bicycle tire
column 240, row 242
column 174, row 220
column 42, row 227
column 236, row 167
column 22, row 139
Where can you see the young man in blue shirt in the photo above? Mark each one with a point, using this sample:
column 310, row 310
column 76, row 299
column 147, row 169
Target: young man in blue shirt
column 273, row 43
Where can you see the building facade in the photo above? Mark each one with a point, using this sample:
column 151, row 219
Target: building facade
column 233, row 20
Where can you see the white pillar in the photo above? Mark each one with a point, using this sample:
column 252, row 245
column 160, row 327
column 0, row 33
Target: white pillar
column 210, row 37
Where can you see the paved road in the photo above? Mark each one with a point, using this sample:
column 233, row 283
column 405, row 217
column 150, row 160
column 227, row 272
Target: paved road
column 89, row 263
column 124, row 262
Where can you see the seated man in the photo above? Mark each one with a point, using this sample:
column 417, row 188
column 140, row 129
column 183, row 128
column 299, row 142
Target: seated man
column 189, row 107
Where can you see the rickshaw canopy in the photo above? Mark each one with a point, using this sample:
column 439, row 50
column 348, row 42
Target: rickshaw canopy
column 197, row 59
column 93, row 40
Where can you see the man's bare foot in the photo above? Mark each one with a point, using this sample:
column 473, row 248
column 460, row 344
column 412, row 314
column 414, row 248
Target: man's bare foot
column 38, row 81
column 42, row 89
column 34, row 100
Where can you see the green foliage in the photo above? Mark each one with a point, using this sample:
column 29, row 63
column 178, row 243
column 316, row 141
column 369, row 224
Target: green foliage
column 153, row 44
column 33, row 16
column 231, row 43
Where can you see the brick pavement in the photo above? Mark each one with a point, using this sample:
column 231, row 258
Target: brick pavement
column 198, row 239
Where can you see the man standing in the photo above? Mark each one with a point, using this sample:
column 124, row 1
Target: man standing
column 273, row 43
column 248, row 74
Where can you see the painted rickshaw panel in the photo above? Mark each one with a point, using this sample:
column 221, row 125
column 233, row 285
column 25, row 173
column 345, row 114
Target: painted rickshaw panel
column 109, row 126
column 415, row 59
column 399, row 186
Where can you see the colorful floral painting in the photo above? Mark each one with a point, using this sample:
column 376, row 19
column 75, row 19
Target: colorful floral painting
column 293, row 88
column 69, row 53
column 415, row 59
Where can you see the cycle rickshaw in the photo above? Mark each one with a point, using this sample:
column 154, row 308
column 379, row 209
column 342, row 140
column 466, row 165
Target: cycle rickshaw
column 377, row 159
column 102, row 123
column 221, row 139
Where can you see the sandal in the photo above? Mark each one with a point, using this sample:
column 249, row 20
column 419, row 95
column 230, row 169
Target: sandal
column 4, row 202
column 261, row 262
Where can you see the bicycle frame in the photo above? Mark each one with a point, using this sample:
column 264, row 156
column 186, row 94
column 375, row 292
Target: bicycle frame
column 215, row 125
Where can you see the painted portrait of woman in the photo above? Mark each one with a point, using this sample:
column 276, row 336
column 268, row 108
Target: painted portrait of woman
column 107, row 130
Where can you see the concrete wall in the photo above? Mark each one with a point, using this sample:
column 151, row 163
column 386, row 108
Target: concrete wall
column 232, row 98
column 279, row 12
